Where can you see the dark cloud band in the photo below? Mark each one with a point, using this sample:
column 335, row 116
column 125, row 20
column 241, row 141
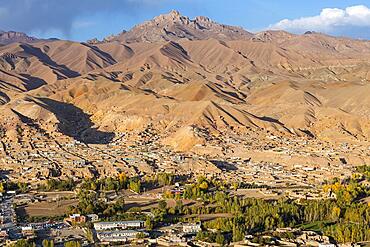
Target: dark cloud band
column 44, row 15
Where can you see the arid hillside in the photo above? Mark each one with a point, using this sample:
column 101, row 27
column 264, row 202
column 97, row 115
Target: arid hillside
column 175, row 74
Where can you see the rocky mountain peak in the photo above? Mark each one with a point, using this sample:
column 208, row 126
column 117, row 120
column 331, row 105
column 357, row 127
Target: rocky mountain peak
column 174, row 26
column 203, row 20
column 167, row 19
column 12, row 36
column 175, row 14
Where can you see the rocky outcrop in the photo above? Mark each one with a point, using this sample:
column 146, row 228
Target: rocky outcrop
column 13, row 37
column 174, row 26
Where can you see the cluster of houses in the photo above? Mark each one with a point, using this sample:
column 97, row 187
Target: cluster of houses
column 297, row 238
column 127, row 231
column 77, row 219
column 178, row 234
column 36, row 162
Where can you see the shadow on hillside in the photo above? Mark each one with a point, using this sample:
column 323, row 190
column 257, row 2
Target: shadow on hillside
column 142, row 205
column 33, row 82
column 223, row 165
column 4, row 174
column 75, row 123
column 34, row 51
column 270, row 119
column 4, row 98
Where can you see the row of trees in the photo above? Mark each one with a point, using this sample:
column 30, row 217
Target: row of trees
column 250, row 216
column 122, row 181
column 45, row 243
column 365, row 171
column 8, row 185
column 89, row 203
column 58, row 185
column 116, row 183
column 346, row 219
column 211, row 237
column 23, row 243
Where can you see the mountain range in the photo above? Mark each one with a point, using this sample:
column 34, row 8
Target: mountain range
column 174, row 72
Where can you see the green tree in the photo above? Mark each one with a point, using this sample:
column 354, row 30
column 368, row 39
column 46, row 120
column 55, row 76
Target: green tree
column 22, row 187
column 179, row 207
column 162, row 205
column 165, row 179
column 47, row 243
column 72, row 244
column 140, row 235
column 135, row 186
column 90, row 235
column 119, row 204
column 24, row 243
column 149, row 225
column 238, row 234
column 220, row 239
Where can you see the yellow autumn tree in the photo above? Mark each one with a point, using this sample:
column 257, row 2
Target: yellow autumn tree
column 2, row 189
column 203, row 185
column 122, row 178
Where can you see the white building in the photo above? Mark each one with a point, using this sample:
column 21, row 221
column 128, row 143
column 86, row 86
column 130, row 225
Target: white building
column 327, row 245
column 191, row 228
column 92, row 217
column 118, row 236
column 101, row 226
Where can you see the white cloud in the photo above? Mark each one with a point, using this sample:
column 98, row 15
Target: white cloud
column 330, row 20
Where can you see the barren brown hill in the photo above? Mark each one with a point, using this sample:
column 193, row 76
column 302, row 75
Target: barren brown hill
column 175, row 73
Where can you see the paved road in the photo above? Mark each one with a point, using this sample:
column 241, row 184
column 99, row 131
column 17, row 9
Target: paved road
column 9, row 217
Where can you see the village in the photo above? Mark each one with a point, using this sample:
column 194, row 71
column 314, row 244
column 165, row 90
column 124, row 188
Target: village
column 277, row 161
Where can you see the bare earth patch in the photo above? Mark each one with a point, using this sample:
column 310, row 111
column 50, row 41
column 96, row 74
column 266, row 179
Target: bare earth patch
column 46, row 208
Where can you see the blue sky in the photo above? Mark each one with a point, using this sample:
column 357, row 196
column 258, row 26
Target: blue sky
column 85, row 19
